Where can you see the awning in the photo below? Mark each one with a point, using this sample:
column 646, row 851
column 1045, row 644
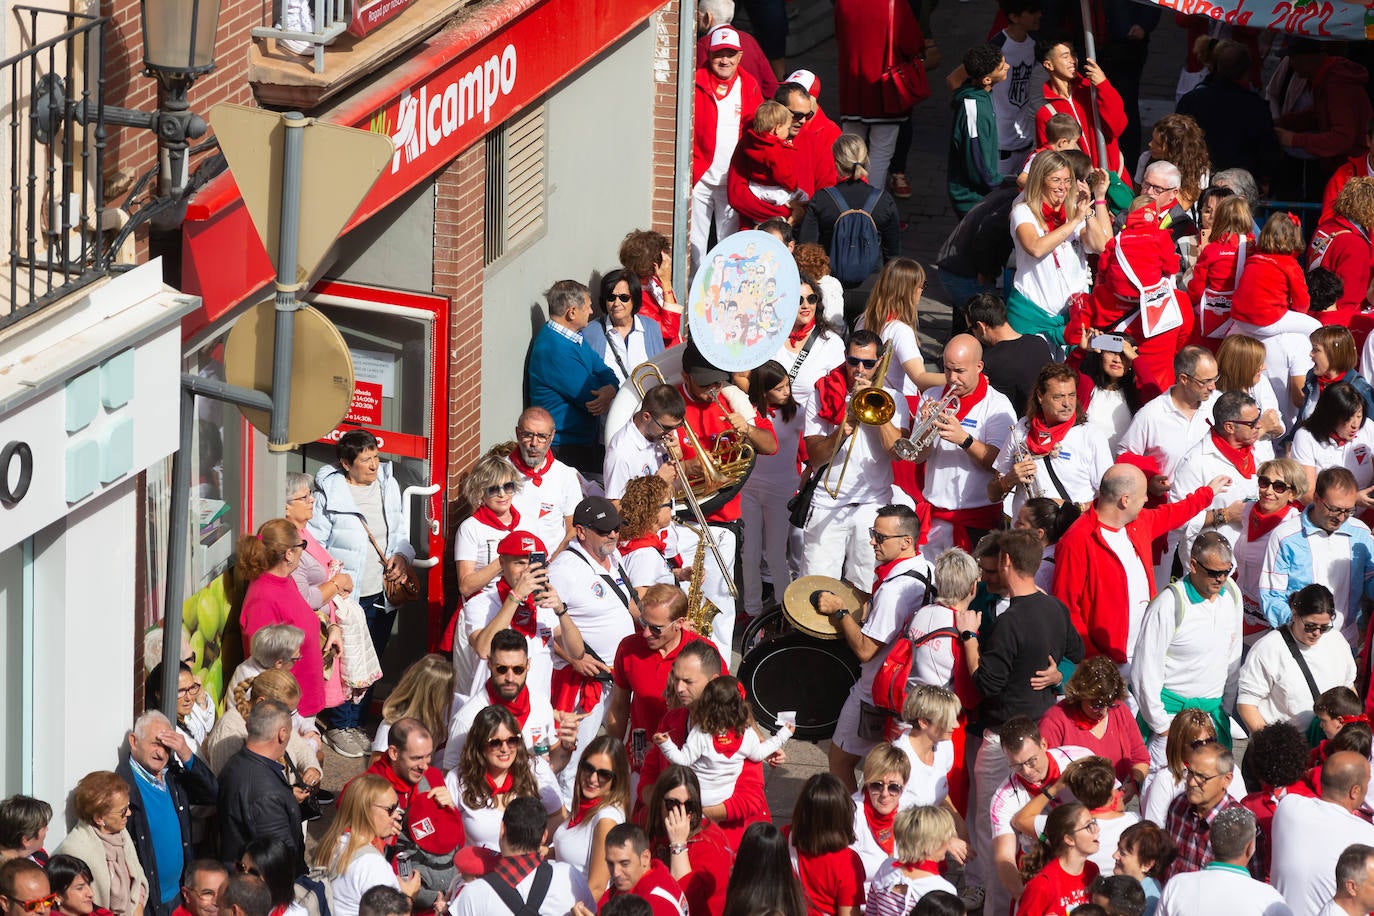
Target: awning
column 458, row 85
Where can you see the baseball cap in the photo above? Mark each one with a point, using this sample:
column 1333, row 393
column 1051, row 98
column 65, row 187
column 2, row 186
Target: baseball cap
column 598, row 514
column 807, row 80
column 723, row 36
column 519, row 544
column 701, row 371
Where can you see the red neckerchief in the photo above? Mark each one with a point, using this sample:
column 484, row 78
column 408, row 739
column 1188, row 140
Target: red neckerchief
column 880, row 825
column 832, row 393
column 728, row 743
column 524, row 620
column 1051, row 774
column 502, row 787
column 1042, row 439
column 929, row 865
column 1322, row 383
column 719, row 88
column 1243, row 458
column 655, row 539
column 971, row 400
column 1078, row 717
column 518, row 707
column 534, row 474
column 584, row 808
column 488, row 518
column 1054, row 216
column 1113, row 804
column 798, row 335
column 514, row 869
column 1260, row 523
column 881, row 573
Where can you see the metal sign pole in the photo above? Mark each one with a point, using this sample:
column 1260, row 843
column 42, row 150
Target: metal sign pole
column 1090, row 52
column 287, row 282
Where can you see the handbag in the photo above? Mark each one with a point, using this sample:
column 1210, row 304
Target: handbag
column 399, row 587
column 799, row 506
column 310, row 808
column 904, row 83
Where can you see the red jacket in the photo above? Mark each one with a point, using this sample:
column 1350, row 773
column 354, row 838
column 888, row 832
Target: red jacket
column 1354, row 167
column 705, row 112
column 863, row 38
column 816, row 155
column 1152, row 255
column 762, row 159
column 1343, row 248
column 657, row 888
column 754, row 62
column 1270, row 285
column 1341, row 111
column 1110, row 107
column 1090, row 580
column 1216, row 266
column 711, row 859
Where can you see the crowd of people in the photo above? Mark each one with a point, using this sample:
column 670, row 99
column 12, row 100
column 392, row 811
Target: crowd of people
column 1122, row 526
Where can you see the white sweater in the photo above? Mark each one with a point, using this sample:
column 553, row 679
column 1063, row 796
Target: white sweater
column 715, row 771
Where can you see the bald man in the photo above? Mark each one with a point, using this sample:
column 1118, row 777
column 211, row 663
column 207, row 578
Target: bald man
column 551, row 489
column 1103, row 563
column 959, row 460
column 1311, row 833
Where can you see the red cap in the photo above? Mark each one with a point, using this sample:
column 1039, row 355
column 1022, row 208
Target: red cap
column 807, row 80
column 475, row 860
column 723, row 36
column 519, row 544
column 434, row 828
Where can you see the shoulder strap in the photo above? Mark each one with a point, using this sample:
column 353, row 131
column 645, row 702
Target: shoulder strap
column 838, row 198
column 1054, row 477
column 872, row 201
column 609, row 331
column 606, row 577
column 1293, row 650
column 1126, row 267
column 805, row 351
column 939, row 633
column 1240, row 257
column 543, row 877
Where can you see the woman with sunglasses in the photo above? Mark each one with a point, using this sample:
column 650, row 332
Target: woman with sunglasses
column 320, row 578
column 886, row 770
column 646, row 511
column 495, row 767
column 1273, row 686
column 1191, row 728
column 270, row 859
column 100, row 839
column 693, row 847
column 1338, row 434
column 1094, row 715
column 601, row 799
column 267, row 561
column 1057, row 870
column 71, row 882
column 352, row 848
column 622, row 337
column 490, row 489
column 812, row 348
column 1282, row 485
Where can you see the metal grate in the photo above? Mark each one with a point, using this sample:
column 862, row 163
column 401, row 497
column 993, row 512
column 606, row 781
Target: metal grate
column 515, row 191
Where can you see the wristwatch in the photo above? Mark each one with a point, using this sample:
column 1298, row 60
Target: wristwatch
column 966, row 635
column 841, row 614
column 967, row 443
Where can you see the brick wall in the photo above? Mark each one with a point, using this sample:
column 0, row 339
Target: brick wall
column 664, row 23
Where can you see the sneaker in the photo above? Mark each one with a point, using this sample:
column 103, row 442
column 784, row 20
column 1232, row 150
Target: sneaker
column 342, row 743
column 900, row 187
column 362, row 740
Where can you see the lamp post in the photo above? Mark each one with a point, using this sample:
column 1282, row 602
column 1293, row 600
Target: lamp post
column 178, row 47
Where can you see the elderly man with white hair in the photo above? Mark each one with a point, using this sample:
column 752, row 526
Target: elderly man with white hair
column 711, row 13
column 164, row 779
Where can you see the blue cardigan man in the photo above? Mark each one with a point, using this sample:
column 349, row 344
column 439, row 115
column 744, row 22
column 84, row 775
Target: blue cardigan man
column 568, row 378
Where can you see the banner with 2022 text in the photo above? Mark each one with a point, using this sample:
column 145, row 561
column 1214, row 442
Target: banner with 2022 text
column 1321, row 19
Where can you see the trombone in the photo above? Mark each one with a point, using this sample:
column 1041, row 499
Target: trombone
column 871, row 406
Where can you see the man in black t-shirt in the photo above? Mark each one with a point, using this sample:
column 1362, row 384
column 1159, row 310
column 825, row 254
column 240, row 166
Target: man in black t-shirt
column 1011, row 361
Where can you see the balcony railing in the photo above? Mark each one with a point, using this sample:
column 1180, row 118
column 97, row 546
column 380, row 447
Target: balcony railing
column 311, row 24
column 56, row 199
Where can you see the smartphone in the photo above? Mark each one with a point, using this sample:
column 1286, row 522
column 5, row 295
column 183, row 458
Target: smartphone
column 539, row 558
column 1108, row 343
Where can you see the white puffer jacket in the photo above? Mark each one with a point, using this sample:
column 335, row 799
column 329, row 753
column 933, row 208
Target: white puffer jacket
column 338, row 522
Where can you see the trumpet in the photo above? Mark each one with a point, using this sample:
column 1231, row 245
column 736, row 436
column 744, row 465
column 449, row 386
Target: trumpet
column 871, row 407
column 1020, row 453
column 925, row 433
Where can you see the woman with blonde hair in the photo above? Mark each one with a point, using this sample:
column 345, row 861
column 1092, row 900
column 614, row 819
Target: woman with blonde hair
column 489, row 489
column 266, row 561
column 1240, row 361
column 922, row 836
column 1282, row 487
column 101, row 840
column 852, row 192
column 932, row 715
column 646, row 510
column 351, row 849
column 231, row 731
column 892, row 313
column 424, row 692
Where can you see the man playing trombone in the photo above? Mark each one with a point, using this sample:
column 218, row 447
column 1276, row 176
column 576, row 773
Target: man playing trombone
column 853, row 455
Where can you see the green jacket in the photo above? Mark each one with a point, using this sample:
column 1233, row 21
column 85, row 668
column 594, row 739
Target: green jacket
column 973, row 151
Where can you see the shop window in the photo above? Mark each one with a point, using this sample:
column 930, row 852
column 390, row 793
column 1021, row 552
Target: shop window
column 515, row 183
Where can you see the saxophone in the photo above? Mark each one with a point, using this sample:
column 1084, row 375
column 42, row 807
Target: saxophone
column 1019, row 453
column 701, row 611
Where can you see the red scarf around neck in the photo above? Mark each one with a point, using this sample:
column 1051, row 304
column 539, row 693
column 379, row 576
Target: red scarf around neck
column 832, row 393
column 524, row 620
column 972, row 399
column 1051, row 774
column 1323, row 383
column 518, row 707
column 880, row 825
column 584, row 808
column 488, row 518
column 1243, row 458
column 502, row 787
column 926, row 865
column 1043, row 439
column 1260, row 524
column 1054, row 216
column 535, row 475
column 719, row 88
column 881, row 573
column 654, row 539
column 800, row 334
column 728, row 743
column 1079, row 717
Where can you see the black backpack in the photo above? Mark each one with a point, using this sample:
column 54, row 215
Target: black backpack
column 855, row 249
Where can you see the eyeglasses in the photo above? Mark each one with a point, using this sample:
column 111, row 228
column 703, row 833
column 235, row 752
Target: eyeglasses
column 495, row 744
column 296, row 499
column 1059, row 182
column 1217, row 574
column 1318, row 627
column 667, row 505
column 858, row 361
column 1278, row 486
column 187, row 691
column 1091, row 825
column 586, row 769
column 1192, row 775
column 800, row 116
column 243, row 869
column 617, row 297
column 42, row 903
column 890, row 788
column 1030, row 763
column 1253, row 424
column 533, row 436
column 390, row 809
column 672, row 804
column 1335, row 512
column 810, row 298
column 516, row 670
column 295, row 658
column 880, row 538
column 1204, row 382
column 500, row 489
column 1147, row 187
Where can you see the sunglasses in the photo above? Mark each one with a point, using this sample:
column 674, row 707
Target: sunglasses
column 1201, row 742
column 880, row 538
column 390, row 809
column 667, row 505
column 516, row 670
column 891, row 788
column 42, row 903
column 1318, row 627
column 1101, row 706
column 672, row 804
column 1253, row 424
column 810, row 299
column 495, row 744
column 602, row 776
column 655, row 629
column 1278, row 486
column 1217, row 574
column 858, row 361
column 499, row 489
column 801, row 116
column 617, row 297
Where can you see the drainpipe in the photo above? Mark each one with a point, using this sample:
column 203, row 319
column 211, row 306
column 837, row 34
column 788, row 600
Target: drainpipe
column 682, row 150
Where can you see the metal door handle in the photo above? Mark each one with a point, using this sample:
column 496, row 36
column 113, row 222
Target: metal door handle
column 406, row 495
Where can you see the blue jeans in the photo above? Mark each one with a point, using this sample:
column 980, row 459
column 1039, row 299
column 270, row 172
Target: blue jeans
column 961, row 289
column 379, row 623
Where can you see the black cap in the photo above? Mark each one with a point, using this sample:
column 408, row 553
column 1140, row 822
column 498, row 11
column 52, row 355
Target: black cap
column 598, row 514
column 699, row 370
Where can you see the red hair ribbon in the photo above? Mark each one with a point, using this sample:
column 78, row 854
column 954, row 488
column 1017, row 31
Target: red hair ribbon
column 1346, row 720
column 1294, row 217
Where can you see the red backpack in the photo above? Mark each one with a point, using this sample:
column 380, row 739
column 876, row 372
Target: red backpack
column 890, row 683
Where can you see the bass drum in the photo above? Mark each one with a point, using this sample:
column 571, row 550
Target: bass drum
column 797, row 671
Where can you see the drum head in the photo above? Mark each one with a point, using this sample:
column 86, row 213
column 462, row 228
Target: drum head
column 802, row 673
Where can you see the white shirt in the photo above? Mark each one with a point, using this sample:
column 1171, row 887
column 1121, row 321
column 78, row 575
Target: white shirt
column 927, row 784
column 630, row 455
column 1271, row 681
column 629, row 348
column 1197, row 657
column 933, row 661
column 825, row 354
column 869, row 476
column 478, row 612
column 567, row 888
column 1081, row 460
column 728, row 114
column 539, row 730
column 892, row 893
column 1355, row 455
column 1014, row 98
column 476, row 540
column 574, row 844
column 718, row 772
column 544, row 508
column 646, row 566
column 367, row 869
column 1109, row 413
column 906, row 346
column 1137, row 583
column 1287, row 356
column 953, row 478
column 1307, row 838
column 1250, row 560
column 601, row 617
column 889, row 612
column 1203, row 462
column 1010, row 797
column 482, row 826
column 1109, row 830
column 1161, row 431
column 1220, row 888
column 1263, row 393
column 1049, row 281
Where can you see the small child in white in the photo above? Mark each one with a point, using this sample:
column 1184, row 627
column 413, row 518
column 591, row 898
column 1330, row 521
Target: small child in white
column 721, row 739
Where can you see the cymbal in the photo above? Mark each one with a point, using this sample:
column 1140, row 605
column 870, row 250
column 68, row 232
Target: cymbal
column 798, row 603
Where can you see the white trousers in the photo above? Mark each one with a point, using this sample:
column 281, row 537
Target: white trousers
column 708, row 204
column 835, row 542
column 766, row 533
column 990, row 770
column 714, row 586
column 882, row 143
